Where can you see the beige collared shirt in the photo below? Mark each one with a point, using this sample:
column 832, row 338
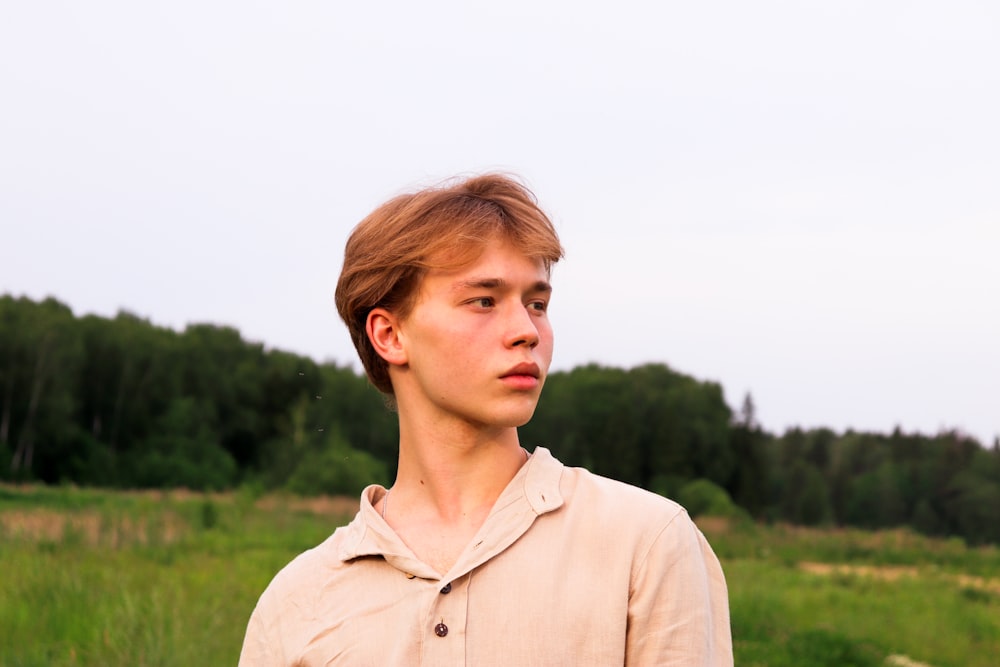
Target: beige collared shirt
column 569, row 568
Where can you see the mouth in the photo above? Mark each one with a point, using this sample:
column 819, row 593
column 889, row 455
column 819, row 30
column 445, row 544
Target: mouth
column 523, row 377
column 523, row 370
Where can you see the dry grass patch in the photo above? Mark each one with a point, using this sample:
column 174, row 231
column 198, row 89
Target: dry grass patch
column 318, row 505
column 91, row 527
column 880, row 572
column 895, row 573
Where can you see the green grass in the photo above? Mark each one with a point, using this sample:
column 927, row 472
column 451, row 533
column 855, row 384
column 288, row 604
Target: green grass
column 152, row 579
column 850, row 597
column 98, row 578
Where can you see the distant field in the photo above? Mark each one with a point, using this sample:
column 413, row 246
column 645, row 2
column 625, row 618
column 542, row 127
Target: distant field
column 164, row 579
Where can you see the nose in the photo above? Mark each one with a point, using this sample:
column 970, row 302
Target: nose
column 521, row 329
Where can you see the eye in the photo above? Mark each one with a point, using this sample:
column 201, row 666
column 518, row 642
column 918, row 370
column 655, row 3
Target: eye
column 538, row 306
column 482, row 302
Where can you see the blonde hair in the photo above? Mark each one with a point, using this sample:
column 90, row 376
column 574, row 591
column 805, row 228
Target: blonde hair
column 440, row 227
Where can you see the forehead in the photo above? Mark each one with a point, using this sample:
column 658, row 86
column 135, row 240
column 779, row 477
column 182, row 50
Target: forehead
column 497, row 260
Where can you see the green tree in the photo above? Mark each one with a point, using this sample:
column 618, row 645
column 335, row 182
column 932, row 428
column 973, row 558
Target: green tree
column 333, row 467
column 182, row 452
column 805, row 497
column 751, row 477
column 127, row 381
column 39, row 354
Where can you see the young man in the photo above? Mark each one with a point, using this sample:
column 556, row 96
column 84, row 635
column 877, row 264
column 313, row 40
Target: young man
column 481, row 553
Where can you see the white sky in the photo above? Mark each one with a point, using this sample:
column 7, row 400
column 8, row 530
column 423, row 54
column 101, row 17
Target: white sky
column 796, row 199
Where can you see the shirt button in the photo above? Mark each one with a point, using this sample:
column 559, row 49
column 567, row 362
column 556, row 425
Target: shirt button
column 446, row 589
column 441, row 630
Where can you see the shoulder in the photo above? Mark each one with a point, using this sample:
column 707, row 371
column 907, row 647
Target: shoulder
column 594, row 493
column 294, row 588
column 579, row 490
column 286, row 606
column 583, row 498
column 637, row 521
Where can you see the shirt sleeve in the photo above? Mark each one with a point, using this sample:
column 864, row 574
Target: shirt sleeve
column 679, row 606
column 260, row 649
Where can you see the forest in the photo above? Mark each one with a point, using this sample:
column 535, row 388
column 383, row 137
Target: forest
column 122, row 403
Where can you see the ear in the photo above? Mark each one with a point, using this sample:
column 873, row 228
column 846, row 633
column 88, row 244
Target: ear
column 382, row 328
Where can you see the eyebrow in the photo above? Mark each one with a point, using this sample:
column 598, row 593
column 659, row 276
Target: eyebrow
column 499, row 283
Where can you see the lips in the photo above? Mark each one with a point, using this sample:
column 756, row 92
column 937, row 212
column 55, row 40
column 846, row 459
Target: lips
column 523, row 370
column 523, row 378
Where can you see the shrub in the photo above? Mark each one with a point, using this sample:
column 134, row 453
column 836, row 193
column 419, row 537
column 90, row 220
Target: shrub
column 704, row 497
column 336, row 468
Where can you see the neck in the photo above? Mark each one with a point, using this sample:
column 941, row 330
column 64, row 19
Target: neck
column 450, row 478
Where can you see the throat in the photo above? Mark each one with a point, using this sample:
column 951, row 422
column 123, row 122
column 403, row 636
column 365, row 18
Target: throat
column 438, row 511
column 439, row 543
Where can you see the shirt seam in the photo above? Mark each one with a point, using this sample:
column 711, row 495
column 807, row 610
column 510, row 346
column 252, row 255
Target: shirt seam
column 649, row 548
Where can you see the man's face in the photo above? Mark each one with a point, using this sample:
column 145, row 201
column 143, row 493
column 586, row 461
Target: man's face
column 478, row 341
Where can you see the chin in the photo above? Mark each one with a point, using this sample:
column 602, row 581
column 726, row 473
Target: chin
column 508, row 413
column 518, row 418
column 509, row 418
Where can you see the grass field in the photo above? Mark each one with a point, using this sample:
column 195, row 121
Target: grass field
column 168, row 579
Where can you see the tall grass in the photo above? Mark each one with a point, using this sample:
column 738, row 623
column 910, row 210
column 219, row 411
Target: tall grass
column 154, row 579
column 850, row 597
column 96, row 578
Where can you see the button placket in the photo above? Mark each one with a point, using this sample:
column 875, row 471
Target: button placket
column 446, row 623
column 441, row 629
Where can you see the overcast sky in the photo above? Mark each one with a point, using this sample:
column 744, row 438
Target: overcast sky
column 800, row 200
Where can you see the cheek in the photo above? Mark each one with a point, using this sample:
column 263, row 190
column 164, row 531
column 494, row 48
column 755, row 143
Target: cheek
column 463, row 341
column 546, row 341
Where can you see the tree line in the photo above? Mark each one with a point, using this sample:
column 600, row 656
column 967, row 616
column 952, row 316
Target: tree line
column 119, row 402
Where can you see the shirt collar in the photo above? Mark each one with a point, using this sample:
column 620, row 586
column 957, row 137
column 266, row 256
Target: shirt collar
column 533, row 491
